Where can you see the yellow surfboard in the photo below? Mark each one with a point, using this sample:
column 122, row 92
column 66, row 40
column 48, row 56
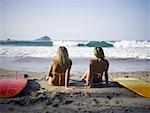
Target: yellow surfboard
column 140, row 87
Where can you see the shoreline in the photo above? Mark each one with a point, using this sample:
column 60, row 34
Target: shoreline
column 143, row 75
column 79, row 64
column 39, row 97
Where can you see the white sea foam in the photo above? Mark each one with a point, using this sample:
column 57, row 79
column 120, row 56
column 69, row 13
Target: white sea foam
column 68, row 43
column 80, row 52
column 133, row 43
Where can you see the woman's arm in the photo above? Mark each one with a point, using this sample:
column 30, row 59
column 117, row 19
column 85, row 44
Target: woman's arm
column 106, row 73
column 89, row 75
column 67, row 74
column 106, row 77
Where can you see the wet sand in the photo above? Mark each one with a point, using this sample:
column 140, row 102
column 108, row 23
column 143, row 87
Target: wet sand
column 39, row 97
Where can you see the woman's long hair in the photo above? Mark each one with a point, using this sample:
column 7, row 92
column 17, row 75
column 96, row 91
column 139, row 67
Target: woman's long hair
column 99, row 53
column 63, row 57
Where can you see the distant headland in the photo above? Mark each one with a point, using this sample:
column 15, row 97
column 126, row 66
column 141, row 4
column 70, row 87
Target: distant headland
column 43, row 41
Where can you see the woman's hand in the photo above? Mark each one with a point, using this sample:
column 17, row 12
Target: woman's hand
column 47, row 77
column 67, row 88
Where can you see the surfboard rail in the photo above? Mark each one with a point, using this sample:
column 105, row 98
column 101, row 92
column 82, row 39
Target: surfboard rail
column 11, row 86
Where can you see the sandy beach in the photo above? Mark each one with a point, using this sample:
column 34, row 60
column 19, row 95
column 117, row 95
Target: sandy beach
column 39, row 97
column 72, row 38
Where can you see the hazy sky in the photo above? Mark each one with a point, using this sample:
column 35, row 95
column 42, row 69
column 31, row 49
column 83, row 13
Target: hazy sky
column 75, row 19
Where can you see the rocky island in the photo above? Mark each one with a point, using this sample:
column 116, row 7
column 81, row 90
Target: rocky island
column 44, row 38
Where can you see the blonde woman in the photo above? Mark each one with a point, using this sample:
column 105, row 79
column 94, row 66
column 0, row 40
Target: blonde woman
column 97, row 67
column 59, row 70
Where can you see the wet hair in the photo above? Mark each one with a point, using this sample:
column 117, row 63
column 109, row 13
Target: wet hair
column 99, row 53
column 63, row 57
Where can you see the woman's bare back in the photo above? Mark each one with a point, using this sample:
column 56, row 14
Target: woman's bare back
column 99, row 66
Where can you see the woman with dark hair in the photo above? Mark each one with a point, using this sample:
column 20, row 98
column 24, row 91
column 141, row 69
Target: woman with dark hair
column 59, row 71
column 97, row 67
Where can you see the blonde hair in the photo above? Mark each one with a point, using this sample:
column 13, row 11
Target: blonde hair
column 99, row 53
column 63, row 57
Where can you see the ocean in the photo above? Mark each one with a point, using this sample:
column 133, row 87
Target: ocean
column 123, row 55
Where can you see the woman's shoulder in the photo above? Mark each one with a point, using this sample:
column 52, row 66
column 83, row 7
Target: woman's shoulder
column 54, row 62
column 92, row 60
column 95, row 60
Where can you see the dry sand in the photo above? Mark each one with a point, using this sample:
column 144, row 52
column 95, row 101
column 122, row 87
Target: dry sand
column 39, row 97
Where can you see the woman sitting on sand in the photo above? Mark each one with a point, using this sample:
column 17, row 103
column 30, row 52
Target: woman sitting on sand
column 59, row 71
column 96, row 68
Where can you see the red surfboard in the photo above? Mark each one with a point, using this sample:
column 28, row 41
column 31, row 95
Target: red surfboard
column 11, row 86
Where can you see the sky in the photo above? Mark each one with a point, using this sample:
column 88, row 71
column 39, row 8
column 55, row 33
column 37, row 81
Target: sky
column 75, row 19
